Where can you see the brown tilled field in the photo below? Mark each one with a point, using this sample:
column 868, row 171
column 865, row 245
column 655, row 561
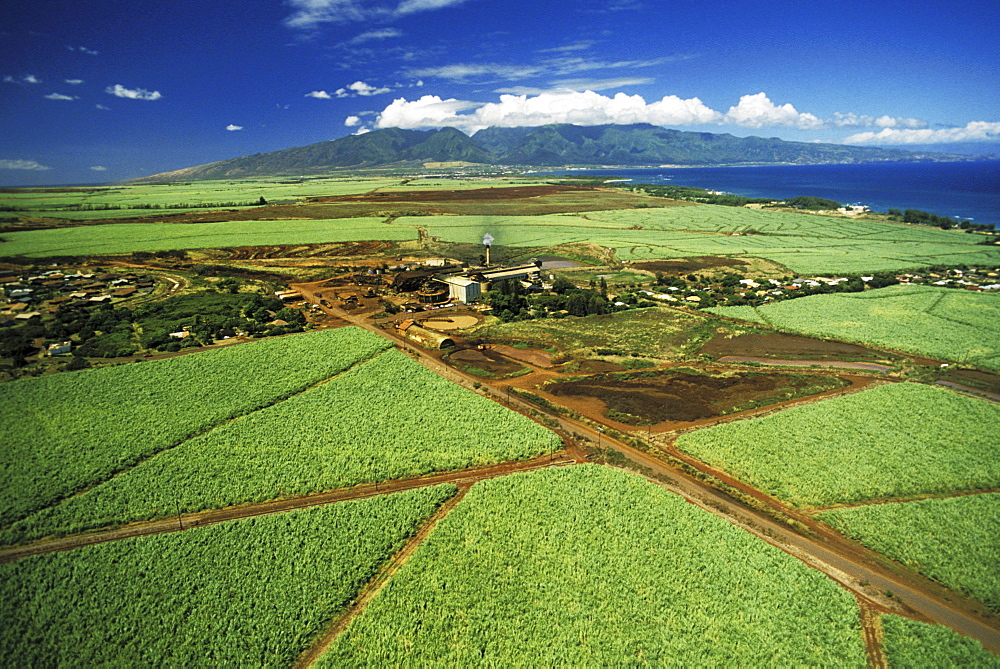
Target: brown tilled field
column 683, row 396
column 781, row 346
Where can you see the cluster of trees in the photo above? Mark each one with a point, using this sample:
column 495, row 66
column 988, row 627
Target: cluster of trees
column 146, row 205
column 697, row 195
column 917, row 217
column 510, row 301
column 112, row 332
column 812, row 203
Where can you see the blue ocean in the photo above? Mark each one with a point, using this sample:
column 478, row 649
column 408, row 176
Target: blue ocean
column 965, row 190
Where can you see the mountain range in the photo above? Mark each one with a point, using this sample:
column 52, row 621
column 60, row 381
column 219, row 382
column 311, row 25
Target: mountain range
column 544, row 146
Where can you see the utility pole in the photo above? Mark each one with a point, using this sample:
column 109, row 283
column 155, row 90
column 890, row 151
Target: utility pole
column 179, row 523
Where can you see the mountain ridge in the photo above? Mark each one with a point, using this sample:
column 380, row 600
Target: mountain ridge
column 541, row 146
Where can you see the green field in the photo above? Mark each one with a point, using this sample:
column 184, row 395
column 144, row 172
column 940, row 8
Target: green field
column 137, row 197
column 955, row 541
column 247, row 592
column 942, row 323
column 385, row 419
column 592, row 566
column 895, row 440
column 66, row 432
column 910, row 644
column 653, row 332
column 115, row 238
column 804, row 243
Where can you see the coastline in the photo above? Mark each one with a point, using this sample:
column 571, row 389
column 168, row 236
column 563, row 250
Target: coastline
column 964, row 190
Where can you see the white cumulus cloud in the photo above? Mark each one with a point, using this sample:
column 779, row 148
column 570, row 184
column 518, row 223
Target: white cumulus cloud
column 850, row 119
column 74, row 82
column 757, row 111
column 23, row 79
column 99, row 168
column 976, row 131
column 352, row 121
column 360, row 88
column 60, row 96
column 319, row 95
column 567, row 106
column 232, row 127
column 30, row 165
column 120, row 91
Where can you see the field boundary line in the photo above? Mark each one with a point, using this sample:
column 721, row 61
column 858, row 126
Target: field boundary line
column 207, row 517
column 873, row 635
column 902, row 500
column 183, row 441
column 375, row 586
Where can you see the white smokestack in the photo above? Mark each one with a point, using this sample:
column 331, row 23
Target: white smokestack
column 487, row 242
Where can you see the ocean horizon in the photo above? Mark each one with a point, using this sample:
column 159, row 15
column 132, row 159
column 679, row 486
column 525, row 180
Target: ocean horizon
column 968, row 190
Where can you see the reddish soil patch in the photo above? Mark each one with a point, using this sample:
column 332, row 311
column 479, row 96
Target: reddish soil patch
column 973, row 378
column 599, row 367
column 531, row 356
column 650, row 398
column 341, row 249
column 687, row 265
column 470, row 195
column 786, row 346
column 488, row 364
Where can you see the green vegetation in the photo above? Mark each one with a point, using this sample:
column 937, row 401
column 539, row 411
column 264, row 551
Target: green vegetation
column 591, row 566
column 146, row 199
column 254, row 591
column 812, row 203
column 582, row 276
column 955, row 541
column 385, row 419
column 651, row 332
column 946, row 324
column 128, row 238
column 910, row 644
column 206, row 316
column 895, row 440
column 805, row 243
column 67, row 432
column 917, row 217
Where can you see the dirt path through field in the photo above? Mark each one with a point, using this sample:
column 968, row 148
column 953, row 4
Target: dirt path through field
column 340, row 623
column 869, row 366
column 871, row 630
column 214, row 516
column 901, row 500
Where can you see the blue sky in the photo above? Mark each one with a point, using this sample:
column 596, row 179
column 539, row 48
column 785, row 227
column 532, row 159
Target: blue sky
column 105, row 90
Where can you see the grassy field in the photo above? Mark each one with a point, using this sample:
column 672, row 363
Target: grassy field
column 942, row 323
column 955, row 541
column 69, row 431
column 49, row 201
column 889, row 441
column 582, row 276
column 385, row 419
column 117, row 238
column 653, row 332
column 592, row 566
column 247, row 592
column 802, row 242
column 910, row 644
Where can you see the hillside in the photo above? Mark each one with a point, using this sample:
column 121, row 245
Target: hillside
column 550, row 145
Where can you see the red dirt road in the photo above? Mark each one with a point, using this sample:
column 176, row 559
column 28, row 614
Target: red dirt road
column 213, row 516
